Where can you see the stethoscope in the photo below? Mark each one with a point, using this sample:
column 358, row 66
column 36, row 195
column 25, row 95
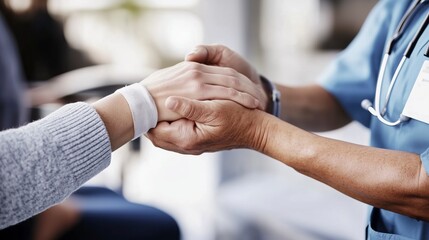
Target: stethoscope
column 366, row 104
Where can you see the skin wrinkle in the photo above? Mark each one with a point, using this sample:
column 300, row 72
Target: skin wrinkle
column 422, row 188
column 266, row 136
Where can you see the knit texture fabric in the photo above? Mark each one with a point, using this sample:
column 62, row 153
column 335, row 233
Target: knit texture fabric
column 45, row 161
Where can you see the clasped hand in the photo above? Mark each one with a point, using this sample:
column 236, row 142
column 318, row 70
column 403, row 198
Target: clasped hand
column 201, row 82
column 189, row 124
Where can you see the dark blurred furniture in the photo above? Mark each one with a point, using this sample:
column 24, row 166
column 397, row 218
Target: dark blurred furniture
column 43, row 49
column 108, row 215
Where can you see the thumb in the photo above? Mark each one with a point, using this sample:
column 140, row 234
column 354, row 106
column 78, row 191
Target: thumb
column 200, row 54
column 193, row 110
column 213, row 54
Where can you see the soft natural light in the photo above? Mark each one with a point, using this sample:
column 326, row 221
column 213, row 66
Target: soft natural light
column 173, row 33
column 168, row 3
column 68, row 6
column 19, row 5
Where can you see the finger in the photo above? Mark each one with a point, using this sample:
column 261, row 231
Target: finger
column 229, row 78
column 209, row 54
column 171, row 136
column 197, row 71
column 226, row 77
column 238, row 82
column 164, row 133
column 201, row 67
column 213, row 92
column 199, row 54
column 161, row 142
column 170, row 131
column 194, row 67
column 226, row 71
column 193, row 110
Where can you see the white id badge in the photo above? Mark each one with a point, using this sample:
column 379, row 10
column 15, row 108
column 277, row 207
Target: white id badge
column 417, row 106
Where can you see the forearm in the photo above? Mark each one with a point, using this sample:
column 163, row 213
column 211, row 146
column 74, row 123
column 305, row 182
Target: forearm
column 45, row 161
column 311, row 108
column 387, row 179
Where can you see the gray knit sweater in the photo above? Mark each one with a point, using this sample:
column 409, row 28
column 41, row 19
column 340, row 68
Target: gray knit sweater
column 44, row 162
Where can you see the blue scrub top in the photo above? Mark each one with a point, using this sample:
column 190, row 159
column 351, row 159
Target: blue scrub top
column 352, row 78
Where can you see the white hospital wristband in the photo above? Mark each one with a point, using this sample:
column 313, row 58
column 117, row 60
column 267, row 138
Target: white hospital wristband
column 142, row 106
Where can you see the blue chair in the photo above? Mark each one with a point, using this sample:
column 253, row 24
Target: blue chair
column 108, row 215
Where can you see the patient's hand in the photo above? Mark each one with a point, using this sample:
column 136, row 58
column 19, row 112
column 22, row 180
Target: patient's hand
column 201, row 82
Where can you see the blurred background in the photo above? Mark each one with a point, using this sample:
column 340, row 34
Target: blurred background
column 69, row 47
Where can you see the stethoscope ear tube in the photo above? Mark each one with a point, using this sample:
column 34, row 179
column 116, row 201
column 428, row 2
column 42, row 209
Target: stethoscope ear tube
column 366, row 104
column 416, row 38
column 399, row 30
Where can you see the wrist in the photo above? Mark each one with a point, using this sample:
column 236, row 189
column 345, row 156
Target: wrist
column 158, row 99
column 262, row 126
column 142, row 106
column 273, row 104
column 116, row 116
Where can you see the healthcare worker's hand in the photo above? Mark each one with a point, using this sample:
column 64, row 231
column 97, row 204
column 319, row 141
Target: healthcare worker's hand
column 201, row 82
column 219, row 55
column 209, row 126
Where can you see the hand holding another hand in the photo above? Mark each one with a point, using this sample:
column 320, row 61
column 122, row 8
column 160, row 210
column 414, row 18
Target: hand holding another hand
column 209, row 126
column 201, row 82
column 222, row 56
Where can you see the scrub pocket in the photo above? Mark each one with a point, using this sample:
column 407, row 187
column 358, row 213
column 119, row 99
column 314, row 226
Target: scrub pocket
column 372, row 234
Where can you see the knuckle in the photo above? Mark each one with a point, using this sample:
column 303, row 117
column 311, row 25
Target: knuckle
column 194, row 74
column 232, row 92
column 192, row 66
column 235, row 82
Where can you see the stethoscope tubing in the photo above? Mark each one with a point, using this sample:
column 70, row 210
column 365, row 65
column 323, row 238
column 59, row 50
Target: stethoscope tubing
column 366, row 104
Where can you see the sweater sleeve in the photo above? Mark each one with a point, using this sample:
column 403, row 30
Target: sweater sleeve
column 45, row 161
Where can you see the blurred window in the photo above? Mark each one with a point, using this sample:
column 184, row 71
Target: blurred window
column 130, row 33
